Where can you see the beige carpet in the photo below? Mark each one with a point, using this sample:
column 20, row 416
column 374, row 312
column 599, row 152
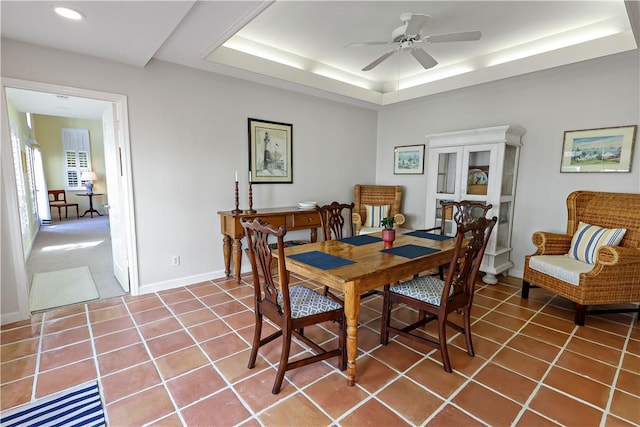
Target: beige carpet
column 62, row 287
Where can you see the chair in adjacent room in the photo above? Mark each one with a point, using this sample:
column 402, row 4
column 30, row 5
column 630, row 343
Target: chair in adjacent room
column 58, row 199
column 435, row 299
column 291, row 309
column 374, row 202
column 597, row 260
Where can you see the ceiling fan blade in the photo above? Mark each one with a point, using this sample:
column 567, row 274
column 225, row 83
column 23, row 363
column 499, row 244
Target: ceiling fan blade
column 454, row 37
column 426, row 60
column 415, row 24
column 358, row 44
column 379, row 60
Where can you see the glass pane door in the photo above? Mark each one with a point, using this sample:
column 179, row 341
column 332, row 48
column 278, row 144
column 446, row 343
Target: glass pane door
column 447, row 164
column 478, row 172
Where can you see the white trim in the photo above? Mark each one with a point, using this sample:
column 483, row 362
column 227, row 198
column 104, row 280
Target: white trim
column 12, row 236
column 127, row 198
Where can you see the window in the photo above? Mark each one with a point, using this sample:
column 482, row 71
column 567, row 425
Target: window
column 77, row 155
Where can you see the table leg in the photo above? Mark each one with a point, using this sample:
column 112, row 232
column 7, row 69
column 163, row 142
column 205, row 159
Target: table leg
column 237, row 257
column 226, row 250
column 352, row 313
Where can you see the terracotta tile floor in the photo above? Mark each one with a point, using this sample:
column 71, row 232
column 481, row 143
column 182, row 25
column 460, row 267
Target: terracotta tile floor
column 179, row 358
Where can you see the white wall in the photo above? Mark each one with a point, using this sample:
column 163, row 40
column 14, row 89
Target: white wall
column 188, row 133
column 599, row 93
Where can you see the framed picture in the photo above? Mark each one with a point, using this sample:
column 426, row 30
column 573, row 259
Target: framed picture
column 598, row 150
column 408, row 160
column 270, row 152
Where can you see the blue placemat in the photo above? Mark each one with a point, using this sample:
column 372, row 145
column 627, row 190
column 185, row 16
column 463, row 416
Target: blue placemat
column 364, row 239
column 425, row 235
column 410, row 251
column 321, row 260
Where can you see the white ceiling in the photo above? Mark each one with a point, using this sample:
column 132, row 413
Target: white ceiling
column 310, row 36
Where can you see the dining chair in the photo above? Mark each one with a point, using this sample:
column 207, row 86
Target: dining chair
column 435, row 299
column 58, row 200
column 467, row 211
column 332, row 219
column 291, row 309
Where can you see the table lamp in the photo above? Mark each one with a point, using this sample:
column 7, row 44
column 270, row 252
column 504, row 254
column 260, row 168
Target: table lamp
column 88, row 177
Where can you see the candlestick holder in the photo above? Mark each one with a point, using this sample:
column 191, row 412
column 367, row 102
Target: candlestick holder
column 237, row 211
column 250, row 210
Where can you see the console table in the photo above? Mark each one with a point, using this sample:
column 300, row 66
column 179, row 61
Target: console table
column 293, row 218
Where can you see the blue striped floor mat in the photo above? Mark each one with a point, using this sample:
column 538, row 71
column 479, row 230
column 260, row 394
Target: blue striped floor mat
column 78, row 406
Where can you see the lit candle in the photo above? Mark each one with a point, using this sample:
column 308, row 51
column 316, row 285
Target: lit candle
column 236, row 176
column 249, row 176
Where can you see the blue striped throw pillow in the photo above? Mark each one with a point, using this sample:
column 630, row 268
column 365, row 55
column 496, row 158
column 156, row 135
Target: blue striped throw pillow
column 589, row 238
column 375, row 214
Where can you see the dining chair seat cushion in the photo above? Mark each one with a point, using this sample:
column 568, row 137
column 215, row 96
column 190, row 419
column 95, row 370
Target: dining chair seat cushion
column 589, row 238
column 306, row 302
column 375, row 213
column 422, row 288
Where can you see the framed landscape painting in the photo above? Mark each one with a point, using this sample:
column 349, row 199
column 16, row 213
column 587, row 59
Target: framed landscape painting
column 270, row 152
column 598, row 150
column 408, row 160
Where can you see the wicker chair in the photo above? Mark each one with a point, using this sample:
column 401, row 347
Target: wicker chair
column 615, row 276
column 375, row 195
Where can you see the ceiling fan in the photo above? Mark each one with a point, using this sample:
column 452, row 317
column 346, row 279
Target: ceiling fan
column 406, row 36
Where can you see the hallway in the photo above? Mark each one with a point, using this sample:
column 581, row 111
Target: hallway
column 74, row 243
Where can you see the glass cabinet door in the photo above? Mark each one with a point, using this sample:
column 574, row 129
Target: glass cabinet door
column 477, row 166
column 449, row 224
column 509, row 170
column 447, row 173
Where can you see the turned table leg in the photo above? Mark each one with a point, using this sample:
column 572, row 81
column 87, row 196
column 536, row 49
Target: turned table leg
column 237, row 257
column 352, row 313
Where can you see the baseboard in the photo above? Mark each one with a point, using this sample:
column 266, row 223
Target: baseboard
column 184, row 281
column 12, row 317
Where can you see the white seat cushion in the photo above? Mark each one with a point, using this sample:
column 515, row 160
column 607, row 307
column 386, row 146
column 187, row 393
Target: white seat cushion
column 305, row 302
column 560, row 266
column 423, row 288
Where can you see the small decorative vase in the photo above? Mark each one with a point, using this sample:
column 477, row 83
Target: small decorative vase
column 388, row 236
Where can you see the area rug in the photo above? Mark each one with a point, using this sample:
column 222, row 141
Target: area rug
column 77, row 406
column 62, row 287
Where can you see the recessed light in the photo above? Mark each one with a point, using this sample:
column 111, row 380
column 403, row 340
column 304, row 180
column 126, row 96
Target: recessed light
column 68, row 13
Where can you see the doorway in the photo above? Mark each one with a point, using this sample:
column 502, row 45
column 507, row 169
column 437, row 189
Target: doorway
column 119, row 224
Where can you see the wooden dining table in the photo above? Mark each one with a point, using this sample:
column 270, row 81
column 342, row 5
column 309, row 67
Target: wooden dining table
column 361, row 263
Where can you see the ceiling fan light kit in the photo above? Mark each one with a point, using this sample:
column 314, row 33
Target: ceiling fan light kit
column 409, row 33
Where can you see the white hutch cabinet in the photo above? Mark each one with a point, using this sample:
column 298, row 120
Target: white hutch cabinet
column 480, row 165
